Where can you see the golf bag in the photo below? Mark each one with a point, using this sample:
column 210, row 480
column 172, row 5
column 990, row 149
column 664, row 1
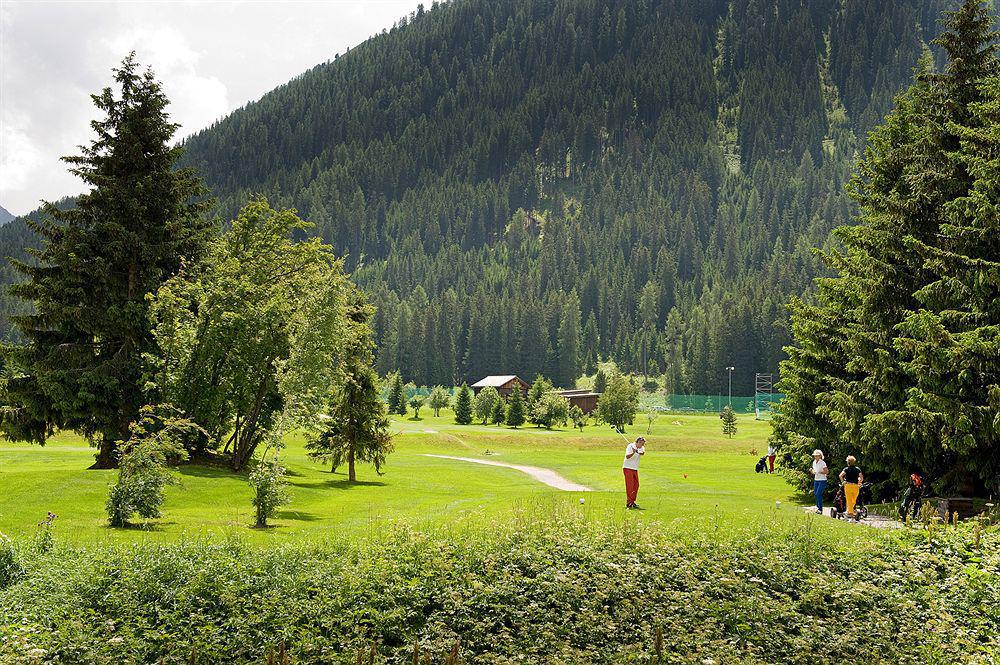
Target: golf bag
column 839, row 510
column 761, row 465
column 912, row 497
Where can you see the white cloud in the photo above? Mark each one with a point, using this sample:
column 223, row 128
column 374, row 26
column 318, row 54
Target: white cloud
column 18, row 156
column 211, row 58
column 196, row 100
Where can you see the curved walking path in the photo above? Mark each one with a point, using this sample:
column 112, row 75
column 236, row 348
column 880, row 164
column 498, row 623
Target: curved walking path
column 547, row 476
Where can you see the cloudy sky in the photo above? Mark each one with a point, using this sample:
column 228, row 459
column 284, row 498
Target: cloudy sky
column 212, row 58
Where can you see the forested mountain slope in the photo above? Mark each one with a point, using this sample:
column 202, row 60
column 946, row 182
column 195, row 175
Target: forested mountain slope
column 524, row 186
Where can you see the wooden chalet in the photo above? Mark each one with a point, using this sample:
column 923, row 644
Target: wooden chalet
column 505, row 385
column 585, row 399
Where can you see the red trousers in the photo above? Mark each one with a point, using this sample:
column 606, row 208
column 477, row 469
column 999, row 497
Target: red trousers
column 631, row 485
column 770, row 458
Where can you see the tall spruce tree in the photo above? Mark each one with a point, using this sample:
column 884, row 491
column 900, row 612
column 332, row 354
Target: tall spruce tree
column 515, row 409
column 950, row 347
column 569, row 343
column 463, row 405
column 397, row 394
column 871, row 367
column 357, row 427
column 81, row 366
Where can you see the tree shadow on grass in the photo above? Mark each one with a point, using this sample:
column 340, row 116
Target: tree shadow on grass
column 200, row 471
column 341, row 484
column 298, row 516
column 141, row 526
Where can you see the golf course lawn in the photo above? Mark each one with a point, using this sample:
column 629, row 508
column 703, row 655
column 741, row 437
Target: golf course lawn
column 690, row 472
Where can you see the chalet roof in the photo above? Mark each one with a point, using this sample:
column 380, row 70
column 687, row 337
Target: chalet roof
column 576, row 391
column 497, row 381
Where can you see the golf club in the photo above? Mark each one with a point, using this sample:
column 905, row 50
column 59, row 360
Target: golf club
column 622, row 435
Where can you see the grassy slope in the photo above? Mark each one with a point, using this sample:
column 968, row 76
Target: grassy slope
column 720, row 482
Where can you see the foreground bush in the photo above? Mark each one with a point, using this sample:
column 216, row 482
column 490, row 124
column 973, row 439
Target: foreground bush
column 572, row 593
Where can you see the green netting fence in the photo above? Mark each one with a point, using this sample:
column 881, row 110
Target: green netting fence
column 709, row 403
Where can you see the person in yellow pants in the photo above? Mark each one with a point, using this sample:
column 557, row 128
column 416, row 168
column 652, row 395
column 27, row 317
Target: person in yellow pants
column 851, row 477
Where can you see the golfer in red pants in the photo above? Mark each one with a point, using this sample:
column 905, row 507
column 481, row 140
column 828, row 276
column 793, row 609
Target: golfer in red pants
column 630, row 466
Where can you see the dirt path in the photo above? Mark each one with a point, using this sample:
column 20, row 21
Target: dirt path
column 547, row 476
column 877, row 521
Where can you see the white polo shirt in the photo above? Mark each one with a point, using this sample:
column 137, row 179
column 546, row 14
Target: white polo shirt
column 636, row 453
column 819, row 469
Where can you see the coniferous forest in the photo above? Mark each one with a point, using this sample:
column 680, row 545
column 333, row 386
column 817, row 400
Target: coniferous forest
column 534, row 185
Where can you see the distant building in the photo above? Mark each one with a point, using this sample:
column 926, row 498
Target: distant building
column 505, row 385
column 585, row 399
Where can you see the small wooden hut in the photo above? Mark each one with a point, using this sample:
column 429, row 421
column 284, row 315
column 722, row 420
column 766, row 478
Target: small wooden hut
column 585, row 399
column 505, row 385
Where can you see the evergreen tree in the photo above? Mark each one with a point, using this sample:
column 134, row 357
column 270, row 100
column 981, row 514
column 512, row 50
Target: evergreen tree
column 397, row 394
column 600, row 381
column 499, row 413
column 569, row 343
column 515, row 409
column 950, row 345
column 357, row 426
column 463, row 405
column 728, row 421
column 891, row 360
column 590, row 342
column 81, row 367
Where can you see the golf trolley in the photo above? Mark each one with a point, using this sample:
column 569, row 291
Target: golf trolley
column 839, row 510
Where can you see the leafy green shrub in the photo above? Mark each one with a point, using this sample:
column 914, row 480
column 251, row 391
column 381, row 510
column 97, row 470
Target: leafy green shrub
column 10, row 562
column 550, row 409
column 269, row 490
column 157, row 440
column 564, row 589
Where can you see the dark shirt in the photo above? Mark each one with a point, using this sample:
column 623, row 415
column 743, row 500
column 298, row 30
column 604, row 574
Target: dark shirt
column 851, row 474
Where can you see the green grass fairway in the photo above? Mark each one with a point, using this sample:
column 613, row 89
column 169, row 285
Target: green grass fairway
column 690, row 472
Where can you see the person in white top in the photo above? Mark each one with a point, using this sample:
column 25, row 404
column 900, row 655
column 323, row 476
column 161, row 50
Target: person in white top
column 630, row 466
column 771, row 453
column 819, row 472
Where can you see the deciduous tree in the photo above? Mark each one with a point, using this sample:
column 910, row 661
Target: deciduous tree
column 253, row 337
column 618, row 404
column 438, row 399
column 484, row 402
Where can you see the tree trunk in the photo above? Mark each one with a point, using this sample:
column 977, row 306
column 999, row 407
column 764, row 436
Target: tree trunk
column 351, row 476
column 105, row 458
